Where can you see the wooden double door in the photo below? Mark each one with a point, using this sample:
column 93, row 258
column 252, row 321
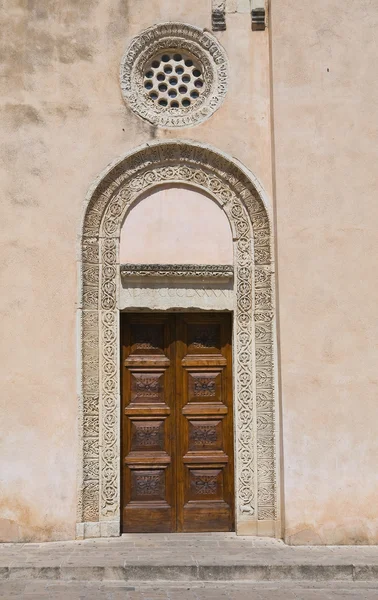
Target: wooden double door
column 177, row 433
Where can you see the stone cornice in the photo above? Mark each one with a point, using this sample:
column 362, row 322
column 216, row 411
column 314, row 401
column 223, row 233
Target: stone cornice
column 187, row 271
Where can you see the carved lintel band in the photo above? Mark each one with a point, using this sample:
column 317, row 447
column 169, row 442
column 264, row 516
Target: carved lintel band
column 188, row 271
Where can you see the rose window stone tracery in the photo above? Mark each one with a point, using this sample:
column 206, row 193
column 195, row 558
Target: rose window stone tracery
column 174, row 75
column 174, row 79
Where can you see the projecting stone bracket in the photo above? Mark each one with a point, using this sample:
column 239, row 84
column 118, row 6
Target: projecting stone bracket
column 258, row 15
column 218, row 15
column 220, row 7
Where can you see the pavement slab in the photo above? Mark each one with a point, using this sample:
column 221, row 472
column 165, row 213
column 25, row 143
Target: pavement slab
column 89, row 590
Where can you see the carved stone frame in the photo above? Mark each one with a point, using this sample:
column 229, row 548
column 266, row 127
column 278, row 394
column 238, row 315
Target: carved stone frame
column 255, row 408
column 162, row 37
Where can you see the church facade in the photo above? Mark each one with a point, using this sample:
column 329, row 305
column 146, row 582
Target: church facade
column 188, row 309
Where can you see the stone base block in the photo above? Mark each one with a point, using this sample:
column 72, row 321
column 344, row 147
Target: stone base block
column 97, row 529
column 259, row 528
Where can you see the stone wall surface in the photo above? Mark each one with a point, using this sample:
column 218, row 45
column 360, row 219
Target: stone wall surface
column 166, row 225
column 64, row 120
column 326, row 133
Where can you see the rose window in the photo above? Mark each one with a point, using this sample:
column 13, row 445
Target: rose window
column 174, row 75
column 174, row 79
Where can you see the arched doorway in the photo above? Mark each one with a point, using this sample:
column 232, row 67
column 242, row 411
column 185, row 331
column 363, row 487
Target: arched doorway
column 255, row 406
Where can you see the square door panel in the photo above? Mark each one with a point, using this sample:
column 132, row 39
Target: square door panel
column 147, row 338
column 205, row 435
column 205, row 484
column 204, row 338
column 147, row 485
column 204, row 387
column 147, row 388
column 147, row 436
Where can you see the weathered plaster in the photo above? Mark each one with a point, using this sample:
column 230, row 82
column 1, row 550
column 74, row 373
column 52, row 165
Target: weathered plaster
column 64, row 118
column 166, row 224
column 326, row 138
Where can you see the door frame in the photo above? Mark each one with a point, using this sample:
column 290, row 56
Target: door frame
column 256, row 415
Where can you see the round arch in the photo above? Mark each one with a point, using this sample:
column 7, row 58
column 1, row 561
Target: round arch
column 255, row 407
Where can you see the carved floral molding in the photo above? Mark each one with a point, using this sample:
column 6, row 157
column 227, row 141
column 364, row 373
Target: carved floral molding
column 111, row 198
column 187, row 271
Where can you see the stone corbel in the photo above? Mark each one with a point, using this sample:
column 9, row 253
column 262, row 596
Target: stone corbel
column 258, row 15
column 218, row 15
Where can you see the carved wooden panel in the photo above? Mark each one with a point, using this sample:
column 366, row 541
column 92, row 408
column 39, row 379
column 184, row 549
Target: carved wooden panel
column 147, row 435
column 203, row 338
column 147, row 338
column 147, row 387
column 205, row 484
column 147, row 485
column 205, row 435
column 204, row 387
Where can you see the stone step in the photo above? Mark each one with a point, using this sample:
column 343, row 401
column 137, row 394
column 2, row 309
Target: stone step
column 186, row 557
column 175, row 572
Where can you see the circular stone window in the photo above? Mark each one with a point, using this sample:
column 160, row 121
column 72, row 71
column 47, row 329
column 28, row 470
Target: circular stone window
column 174, row 75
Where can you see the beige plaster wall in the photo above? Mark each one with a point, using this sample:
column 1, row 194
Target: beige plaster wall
column 64, row 120
column 325, row 93
column 176, row 225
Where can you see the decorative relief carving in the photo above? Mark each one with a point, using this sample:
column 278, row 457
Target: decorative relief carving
column 204, row 435
column 139, row 75
column 196, row 271
column 148, row 483
column 173, row 294
column 109, row 458
column 204, row 484
column 148, row 435
column 148, row 387
column 193, row 164
column 204, row 336
column 90, row 497
column 181, row 292
column 146, row 337
column 204, row 386
column 148, row 345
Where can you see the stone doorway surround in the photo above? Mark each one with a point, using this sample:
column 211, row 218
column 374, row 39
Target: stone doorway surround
column 237, row 192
